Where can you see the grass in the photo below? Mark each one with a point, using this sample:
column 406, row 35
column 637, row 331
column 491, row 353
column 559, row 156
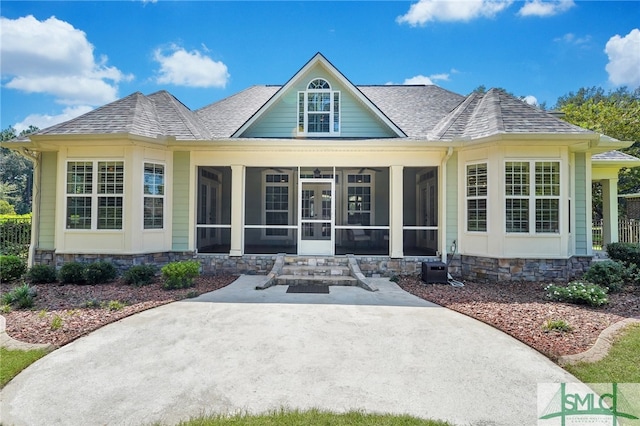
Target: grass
column 14, row 361
column 312, row 417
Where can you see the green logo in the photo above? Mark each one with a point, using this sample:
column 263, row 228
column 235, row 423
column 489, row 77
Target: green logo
column 607, row 406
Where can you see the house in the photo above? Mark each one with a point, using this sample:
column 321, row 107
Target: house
column 393, row 174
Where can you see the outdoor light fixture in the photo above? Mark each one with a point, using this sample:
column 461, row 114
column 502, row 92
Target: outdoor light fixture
column 316, row 173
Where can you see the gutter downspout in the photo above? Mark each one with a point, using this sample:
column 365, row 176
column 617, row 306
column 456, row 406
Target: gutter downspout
column 34, row 156
column 443, row 206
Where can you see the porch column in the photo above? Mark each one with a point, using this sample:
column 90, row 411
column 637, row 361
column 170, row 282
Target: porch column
column 237, row 209
column 609, row 211
column 396, row 212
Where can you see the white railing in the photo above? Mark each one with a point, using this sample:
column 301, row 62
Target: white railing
column 628, row 232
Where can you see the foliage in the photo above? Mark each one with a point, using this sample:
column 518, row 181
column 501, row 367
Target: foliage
column 619, row 366
column 5, row 207
column 20, row 297
column 16, row 172
column 114, row 305
column 15, row 234
column 557, row 325
column 578, row 292
column 139, row 275
column 14, row 361
column 11, row 267
column 42, row 274
column 609, row 274
column 312, row 417
column 92, row 303
column 180, row 274
column 72, row 273
column 56, row 322
column 99, row 272
column 4, row 308
column 627, row 253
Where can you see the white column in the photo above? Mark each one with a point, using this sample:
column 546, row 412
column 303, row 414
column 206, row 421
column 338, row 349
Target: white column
column 396, row 212
column 237, row 210
column 610, row 210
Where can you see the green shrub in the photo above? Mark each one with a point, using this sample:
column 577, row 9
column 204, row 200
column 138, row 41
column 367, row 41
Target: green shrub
column 557, row 325
column 42, row 274
column 578, row 292
column 20, row 297
column 139, row 275
column 180, row 274
column 11, row 267
column 113, row 305
column 99, row 272
column 56, row 322
column 608, row 273
column 72, row 273
column 627, row 253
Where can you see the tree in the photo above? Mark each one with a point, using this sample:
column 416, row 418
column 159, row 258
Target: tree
column 615, row 114
column 16, row 173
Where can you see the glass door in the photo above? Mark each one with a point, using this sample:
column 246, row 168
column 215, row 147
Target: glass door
column 316, row 214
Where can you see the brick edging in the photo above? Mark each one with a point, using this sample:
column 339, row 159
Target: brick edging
column 601, row 348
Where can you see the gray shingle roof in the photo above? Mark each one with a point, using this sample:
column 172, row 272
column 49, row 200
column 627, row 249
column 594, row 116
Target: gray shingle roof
column 613, row 156
column 421, row 112
column 496, row 112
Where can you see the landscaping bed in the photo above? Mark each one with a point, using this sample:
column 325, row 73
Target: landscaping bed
column 522, row 309
column 62, row 313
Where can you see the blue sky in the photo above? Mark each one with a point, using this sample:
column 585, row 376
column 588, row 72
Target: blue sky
column 60, row 59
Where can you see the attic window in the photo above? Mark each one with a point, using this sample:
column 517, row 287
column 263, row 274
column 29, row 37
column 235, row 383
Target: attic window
column 319, row 110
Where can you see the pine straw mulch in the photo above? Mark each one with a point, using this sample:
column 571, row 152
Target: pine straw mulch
column 521, row 310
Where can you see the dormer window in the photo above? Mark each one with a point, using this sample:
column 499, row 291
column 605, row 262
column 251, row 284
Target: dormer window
column 319, row 110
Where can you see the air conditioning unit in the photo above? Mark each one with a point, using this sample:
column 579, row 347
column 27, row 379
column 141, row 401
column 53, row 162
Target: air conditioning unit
column 435, row 273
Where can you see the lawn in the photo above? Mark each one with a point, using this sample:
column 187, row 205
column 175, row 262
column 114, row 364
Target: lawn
column 14, row 361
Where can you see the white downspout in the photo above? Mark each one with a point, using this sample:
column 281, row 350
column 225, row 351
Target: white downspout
column 35, row 201
column 443, row 205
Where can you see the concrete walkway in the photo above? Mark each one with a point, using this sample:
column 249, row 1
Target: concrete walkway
column 242, row 350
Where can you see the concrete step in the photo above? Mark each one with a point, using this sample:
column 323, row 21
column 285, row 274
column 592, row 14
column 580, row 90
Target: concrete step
column 305, row 270
column 315, row 280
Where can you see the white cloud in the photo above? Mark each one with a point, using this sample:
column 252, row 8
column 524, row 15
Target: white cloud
column 545, row 8
column 531, row 100
column 624, row 59
column 571, row 38
column 42, row 121
column 451, row 11
column 419, row 79
column 192, row 69
column 52, row 57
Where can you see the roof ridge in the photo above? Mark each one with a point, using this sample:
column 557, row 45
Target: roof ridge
column 448, row 120
column 489, row 101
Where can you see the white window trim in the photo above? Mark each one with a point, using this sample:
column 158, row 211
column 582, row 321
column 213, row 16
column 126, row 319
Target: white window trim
column 290, row 203
column 345, row 192
column 332, row 112
column 532, row 197
column 163, row 196
column 476, row 197
column 94, row 194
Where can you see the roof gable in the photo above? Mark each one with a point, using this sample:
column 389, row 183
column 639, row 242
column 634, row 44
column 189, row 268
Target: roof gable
column 319, row 66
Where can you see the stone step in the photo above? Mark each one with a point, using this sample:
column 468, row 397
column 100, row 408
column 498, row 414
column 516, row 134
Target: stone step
column 315, row 280
column 305, row 270
column 315, row 261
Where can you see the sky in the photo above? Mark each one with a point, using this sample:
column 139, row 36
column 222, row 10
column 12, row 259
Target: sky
column 61, row 59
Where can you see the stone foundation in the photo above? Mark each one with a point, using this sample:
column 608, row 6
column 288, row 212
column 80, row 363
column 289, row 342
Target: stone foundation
column 470, row 268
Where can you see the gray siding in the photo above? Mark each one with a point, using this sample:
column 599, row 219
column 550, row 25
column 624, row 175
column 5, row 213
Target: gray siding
column 47, row 234
column 582, row 211
column 180, row 202
column 451, row 232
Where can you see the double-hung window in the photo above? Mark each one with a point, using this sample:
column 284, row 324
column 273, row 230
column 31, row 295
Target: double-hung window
column 477, row 197
column 95, row 193
column 319, row 110
column 277, row 204
column 532, row 190
column 153, row 196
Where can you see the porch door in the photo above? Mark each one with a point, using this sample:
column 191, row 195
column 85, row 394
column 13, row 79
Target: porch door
column 209, row 212
column 428, row 213
column 316, row 217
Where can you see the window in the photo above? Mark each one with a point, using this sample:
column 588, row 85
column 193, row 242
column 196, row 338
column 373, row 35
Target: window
column 477, row 197
column 276, row 204
column 532, row 184
column 359, row 203
column 319, row 110
column 95, row 199
column 153, row 196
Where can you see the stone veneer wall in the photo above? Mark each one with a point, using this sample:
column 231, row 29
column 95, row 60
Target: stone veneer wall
column 471, row 268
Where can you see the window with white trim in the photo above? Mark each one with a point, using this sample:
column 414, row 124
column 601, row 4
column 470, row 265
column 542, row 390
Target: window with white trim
column 153, row 201
column 277, row 203
column 95, row 193
column 359, row 199
column 532, row 190
column 477, row 197
column 319, row 110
